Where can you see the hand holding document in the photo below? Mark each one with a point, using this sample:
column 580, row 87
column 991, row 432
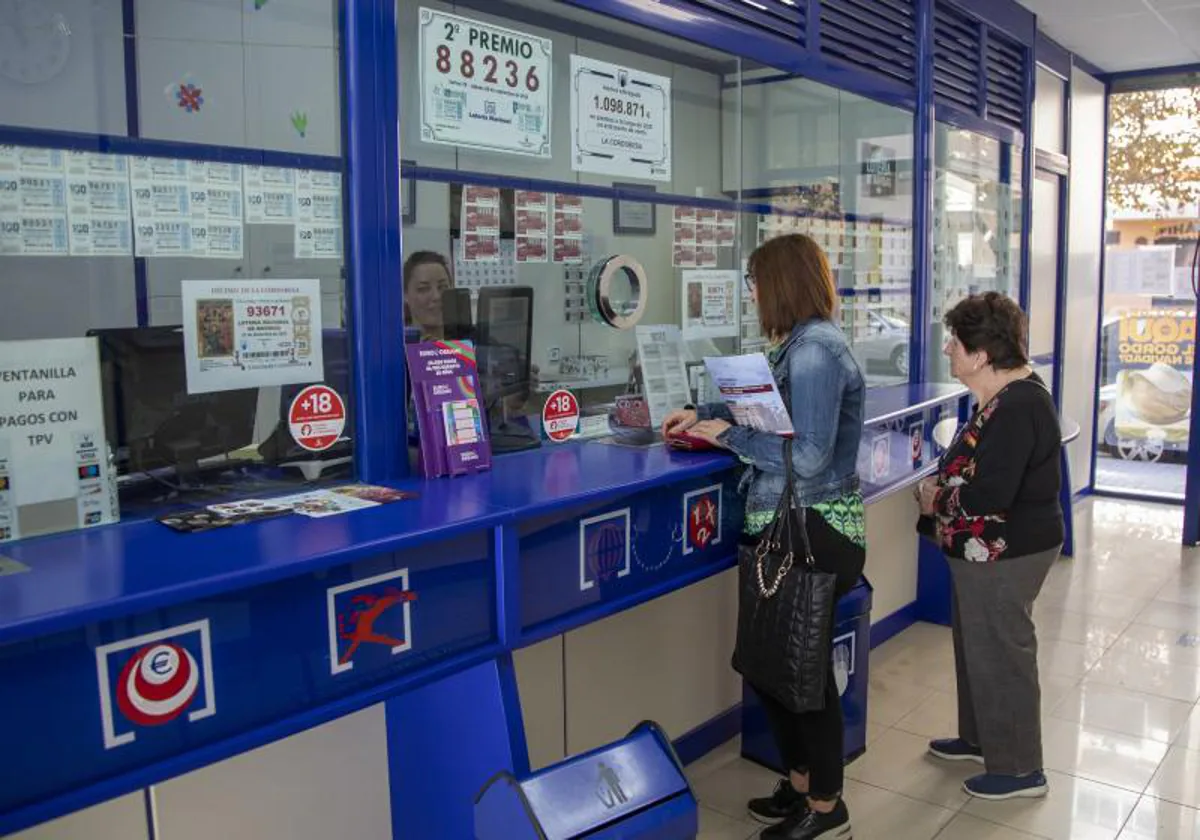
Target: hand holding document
column 748, row 389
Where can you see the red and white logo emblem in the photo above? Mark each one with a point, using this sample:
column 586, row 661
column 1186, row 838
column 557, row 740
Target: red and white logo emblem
column 153, row 679
column 702, row 518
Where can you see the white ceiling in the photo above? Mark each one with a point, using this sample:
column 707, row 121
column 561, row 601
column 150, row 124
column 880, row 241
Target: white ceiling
column 1118, row 35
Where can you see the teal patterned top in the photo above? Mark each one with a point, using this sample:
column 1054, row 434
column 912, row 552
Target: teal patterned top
column 846, row 515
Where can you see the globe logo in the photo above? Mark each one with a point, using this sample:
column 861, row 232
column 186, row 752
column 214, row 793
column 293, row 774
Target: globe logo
column 606, row 549
column 157, row 684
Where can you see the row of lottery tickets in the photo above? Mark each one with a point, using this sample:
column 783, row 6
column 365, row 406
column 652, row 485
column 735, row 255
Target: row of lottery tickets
column 56, row 202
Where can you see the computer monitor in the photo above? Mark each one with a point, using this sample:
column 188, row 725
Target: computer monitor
column 151, row 420
column 503, row 347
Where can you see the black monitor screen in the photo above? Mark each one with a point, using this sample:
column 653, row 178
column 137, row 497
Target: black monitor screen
column 151, row 421
column 504, row 333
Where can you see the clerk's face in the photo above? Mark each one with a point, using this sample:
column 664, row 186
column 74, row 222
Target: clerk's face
column 424, row 295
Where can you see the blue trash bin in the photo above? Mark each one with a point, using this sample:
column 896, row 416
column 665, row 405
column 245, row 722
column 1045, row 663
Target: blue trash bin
column 851, row 655
column 634, row 788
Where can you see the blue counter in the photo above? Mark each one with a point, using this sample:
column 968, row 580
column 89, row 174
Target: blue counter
column 143, row 653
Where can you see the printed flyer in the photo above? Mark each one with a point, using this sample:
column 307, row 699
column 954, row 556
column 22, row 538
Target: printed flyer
column 251, row 334
column 452, row 425
column 484, row 86
column 709, row 304
column 620, row 121
column 664, row 372
column 748, row 388
column 532, row 226
column 98, row 205
column 479, row 222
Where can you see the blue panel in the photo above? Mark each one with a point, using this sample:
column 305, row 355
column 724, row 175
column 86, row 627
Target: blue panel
column 1053, row 56
column 923, row 127
column 933, row 584
column 90, row 575
column 232, row 662
column 599, row 555
column 371, row 141
column 875, row 36
column 1006, row 15
column 445, row 741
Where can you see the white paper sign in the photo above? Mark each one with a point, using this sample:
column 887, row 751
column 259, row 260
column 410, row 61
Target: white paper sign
column 98, row 205
column 251, row 334
column 270, row 195
column 620, row 120
column 664, row 372
column 709, row 304
column 484, row 86
column 54, row 472
column 33, row 202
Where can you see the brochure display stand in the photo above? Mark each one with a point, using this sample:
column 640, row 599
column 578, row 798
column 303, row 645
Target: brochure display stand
column 445, row 387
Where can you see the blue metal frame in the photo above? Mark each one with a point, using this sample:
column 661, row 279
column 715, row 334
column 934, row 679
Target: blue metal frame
column 923, row 165
column 370, row 124
column 1053, row 56
column 1025, row 281
column 1149, row 73
column 1100, row 313
column 1009, row 17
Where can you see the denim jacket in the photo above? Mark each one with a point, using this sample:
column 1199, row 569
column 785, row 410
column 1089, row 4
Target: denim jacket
column 824, row 389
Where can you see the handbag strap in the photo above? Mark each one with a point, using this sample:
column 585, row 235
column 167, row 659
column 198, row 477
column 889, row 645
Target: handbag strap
column 786, row 513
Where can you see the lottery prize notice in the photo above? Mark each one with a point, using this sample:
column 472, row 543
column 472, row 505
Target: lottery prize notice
column 54, row 468
column 620, row 120
column 484, row 86
column 251, row 334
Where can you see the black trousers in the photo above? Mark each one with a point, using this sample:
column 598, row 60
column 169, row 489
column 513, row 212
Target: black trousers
column 811, row 742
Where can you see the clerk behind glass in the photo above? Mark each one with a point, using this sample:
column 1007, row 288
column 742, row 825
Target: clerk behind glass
column 426, row 278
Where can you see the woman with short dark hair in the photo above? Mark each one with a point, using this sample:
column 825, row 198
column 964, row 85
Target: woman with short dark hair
column 993, row 508
column 823, row 389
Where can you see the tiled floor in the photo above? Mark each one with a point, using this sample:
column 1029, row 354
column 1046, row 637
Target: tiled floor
column 1119, row 628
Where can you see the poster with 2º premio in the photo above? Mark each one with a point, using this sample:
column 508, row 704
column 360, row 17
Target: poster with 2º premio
column 484, row 86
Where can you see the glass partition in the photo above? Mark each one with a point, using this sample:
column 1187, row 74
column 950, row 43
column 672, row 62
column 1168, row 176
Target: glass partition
column 169, row 303
column 976, row 226
column 538, row 144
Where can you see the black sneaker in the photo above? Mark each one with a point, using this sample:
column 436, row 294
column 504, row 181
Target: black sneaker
column 811, row 825
column 783, row 803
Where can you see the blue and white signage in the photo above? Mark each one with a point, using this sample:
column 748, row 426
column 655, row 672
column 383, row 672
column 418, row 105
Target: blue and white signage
column 369, row 619
column 153, row 680
column 484, row 86
column 604, row 543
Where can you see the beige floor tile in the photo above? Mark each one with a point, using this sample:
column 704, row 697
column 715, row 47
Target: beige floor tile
column 1101, row 756
column 966, row 827
column 1189, row 735
column 1067, row 659
column 891, row 700
column 1170, row 647
column 1178, row 779
column 899, row 762
column 729, row 789
column 715, row 760
column 1054, row 624
column 1075, row 809
column 1118, row 709
column 1103, row 604
column 877, row 814
column 1182, row 617
column 716, row 826
column 1154, row 819
column 1146, row 675
column 874, row 732
column 936, row 717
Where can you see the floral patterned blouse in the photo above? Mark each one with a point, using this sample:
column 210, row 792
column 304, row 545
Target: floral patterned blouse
column 998, row 483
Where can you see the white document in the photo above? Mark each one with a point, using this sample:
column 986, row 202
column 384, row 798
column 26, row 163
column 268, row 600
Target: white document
column 251, row 334
column 664, row 372
column 53, row 457
column 270, row 195
column 98, row 205
column 33, row 202
column 709, row 304
column 484, row 86
column 748, row 388
column 620, row 120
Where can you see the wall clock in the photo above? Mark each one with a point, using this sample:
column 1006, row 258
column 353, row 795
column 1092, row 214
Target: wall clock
column 35, row 40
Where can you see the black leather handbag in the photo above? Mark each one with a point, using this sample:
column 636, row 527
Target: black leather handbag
column 785, row 610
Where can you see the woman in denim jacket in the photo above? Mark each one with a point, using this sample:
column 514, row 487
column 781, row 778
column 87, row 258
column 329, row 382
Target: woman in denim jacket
column 823, row 387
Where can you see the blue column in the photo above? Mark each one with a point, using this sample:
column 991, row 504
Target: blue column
column 922, row 278
column 370, row 120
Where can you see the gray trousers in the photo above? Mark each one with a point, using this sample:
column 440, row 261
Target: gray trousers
column 995, row 658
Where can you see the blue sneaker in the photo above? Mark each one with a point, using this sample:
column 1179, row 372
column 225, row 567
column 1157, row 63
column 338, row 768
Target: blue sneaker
column 955, row 749
column 996, row 787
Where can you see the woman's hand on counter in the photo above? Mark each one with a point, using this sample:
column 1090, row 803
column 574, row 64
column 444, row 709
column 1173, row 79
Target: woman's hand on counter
column 710, row 431
column 679, row 421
